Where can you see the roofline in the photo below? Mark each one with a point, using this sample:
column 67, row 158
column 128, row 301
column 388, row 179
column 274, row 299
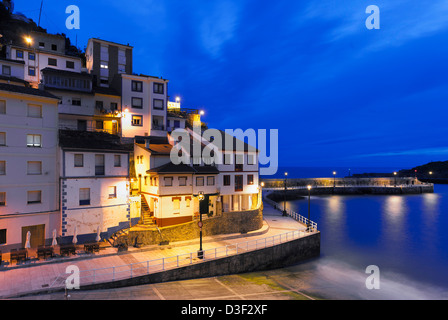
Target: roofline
column 32, row 95
column 109, row 42
column 44, row 51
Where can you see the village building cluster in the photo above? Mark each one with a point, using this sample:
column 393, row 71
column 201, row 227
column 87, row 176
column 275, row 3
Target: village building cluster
column 85, row 145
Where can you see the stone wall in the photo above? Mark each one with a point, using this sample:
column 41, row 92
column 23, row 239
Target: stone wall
column 278, row 256
column 226, row 223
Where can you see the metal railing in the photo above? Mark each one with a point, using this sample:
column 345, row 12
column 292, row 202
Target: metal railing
column 303, row 220
column 132, row 270
column 348, row 186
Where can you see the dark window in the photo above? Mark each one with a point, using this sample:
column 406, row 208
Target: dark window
column 31, row 71
column 99, row 125
column 2, row 199
column 239, row 162
column 210, row 181
column 99, row 105
column 82, row 125
column 19, row 54
column 199, row 181
column 6, row 70
column 76, row 102
column 84, row 196
column 52, row 62
column 70, row 65
column 137, row 86
column 227, row 180
column 168, row 181
column 250, row 179
column 54, row 47
column 79, row 160
column 158, row 88
column 41, row 44
column 182, row 181
column 31, row 56
column 238, row 183
column 2, row 236
column 99, row 165
column 158, row 104
column 137, row 103
column 113, row 106
column 104, row 81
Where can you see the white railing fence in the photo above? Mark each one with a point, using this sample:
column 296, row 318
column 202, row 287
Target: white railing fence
column 312, row 225
column 132, row 270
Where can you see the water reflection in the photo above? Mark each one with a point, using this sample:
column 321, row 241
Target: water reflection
column 394, row 212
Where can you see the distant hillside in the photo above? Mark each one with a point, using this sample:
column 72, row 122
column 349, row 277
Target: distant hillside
column 435, row 172
column 14, row 27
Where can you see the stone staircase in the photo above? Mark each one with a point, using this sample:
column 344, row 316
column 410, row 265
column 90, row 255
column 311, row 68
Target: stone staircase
column 146, row 213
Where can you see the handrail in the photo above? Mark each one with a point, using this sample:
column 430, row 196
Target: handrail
column 312, row 225
column 157, row 265
column 347, row 186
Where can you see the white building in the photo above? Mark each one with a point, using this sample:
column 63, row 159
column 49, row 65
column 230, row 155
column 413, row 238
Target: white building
column 36, row 59
column 144, row 105
column 29, row 180
column 171, row 192
column 94, row 175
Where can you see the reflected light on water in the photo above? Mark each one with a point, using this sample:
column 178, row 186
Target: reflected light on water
column 394, row 212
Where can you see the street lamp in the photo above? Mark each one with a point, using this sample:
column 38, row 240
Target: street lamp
column 28, row 40
column 284, row 200
column 334, row 179
column 395, row 176
column 309, row 201
column 200, row 252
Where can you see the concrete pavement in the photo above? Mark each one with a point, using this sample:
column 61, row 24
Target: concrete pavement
column 40, row 277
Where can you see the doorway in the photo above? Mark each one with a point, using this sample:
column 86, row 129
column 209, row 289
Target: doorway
column 37, row 235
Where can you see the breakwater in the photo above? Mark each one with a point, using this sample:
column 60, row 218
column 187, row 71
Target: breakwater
column 297, row 188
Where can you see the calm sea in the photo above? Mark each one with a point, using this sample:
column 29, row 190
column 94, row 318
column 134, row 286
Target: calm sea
column 406, row 236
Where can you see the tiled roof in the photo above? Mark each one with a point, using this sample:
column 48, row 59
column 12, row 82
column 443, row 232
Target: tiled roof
column 26, row 90
column 87, row 140
column 183, row 168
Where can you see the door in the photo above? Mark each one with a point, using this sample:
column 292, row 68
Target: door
column 203, row 205
column 37, row 235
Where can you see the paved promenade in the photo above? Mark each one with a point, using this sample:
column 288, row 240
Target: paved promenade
column 36, row 276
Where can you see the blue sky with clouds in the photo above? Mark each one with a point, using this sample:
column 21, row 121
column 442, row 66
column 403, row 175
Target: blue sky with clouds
column 339, row 94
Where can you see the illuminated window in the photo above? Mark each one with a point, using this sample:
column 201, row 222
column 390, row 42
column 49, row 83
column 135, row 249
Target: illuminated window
column 176, row 204
column 137, row 121
column 112, row 192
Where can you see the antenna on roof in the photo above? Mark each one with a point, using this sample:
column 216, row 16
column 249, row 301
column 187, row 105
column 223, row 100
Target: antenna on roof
column 40, row 12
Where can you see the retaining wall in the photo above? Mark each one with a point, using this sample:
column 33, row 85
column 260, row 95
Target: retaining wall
column 278, row 256
column 226, row 223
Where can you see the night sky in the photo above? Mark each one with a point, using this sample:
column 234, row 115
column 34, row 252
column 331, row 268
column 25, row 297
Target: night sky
column 339, row 94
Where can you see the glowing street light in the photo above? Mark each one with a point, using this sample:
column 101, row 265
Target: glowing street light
column 200, row 252
column 201, row 112
column 28, row 40
column 309, row 202
column 284, row 200
column 334, row 179
column 395, row 176
column 177, row 99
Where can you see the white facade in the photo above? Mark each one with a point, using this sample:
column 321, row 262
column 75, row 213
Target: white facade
column 95, row 191
column 10, row 68
column 29, row 184
column 36, row 60
column 144, row 104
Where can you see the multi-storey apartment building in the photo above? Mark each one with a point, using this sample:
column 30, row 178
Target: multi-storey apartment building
column 144, row 104
column 29, row 183
column 41, row 51
column 106, row 59
column 83, row 107
column 94, row 175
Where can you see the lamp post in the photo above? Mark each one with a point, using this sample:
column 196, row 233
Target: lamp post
column 200, row 252
column 395, row 179
column 334, row 179
column 309, row 202
column 284, row 200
